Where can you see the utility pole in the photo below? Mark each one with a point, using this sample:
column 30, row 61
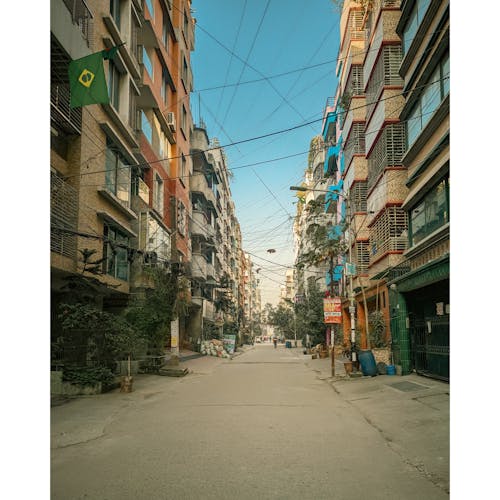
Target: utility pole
column 352, row 307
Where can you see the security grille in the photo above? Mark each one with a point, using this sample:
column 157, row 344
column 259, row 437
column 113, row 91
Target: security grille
column 354, row 29
column 387, row 152
column 355, row 84
column 388, row 233
column 362, row 257
column 385, row 73
column 357, row 196
column 355, row 144
column 63, row 217
column 64, row 118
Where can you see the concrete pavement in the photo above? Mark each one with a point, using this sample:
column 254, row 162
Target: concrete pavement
column 409, row 414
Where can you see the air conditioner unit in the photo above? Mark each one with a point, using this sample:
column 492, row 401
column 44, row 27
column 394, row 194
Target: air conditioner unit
column 171, row 121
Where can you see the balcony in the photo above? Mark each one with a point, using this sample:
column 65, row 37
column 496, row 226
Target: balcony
column 387, row 152
column 199, row 266
column 388, row 234
column 63, row 217
column 67, row 119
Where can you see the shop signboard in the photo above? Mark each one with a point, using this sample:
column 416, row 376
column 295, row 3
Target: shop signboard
column 332, row 309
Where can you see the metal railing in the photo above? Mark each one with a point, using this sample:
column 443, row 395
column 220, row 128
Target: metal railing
column 69, row 119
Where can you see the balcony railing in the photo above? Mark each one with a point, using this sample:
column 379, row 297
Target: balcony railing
column 388, row 152
column 388, row 234
column 63, row 217
column 81, row 17
column 68, row 119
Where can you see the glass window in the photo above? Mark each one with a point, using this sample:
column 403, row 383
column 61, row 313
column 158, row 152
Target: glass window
column 147, row 62
column 147, row 130
column 430, row 214
column 114, row 9
column 117, row 177
column 116, row 253
column 431, row 97
column 114, row 85
column 445, row 75
column 410, row 30
column 149, row 3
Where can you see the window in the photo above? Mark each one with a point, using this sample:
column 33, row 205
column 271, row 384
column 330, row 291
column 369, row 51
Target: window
column 149, row 3
column 116, row 246
column 165, row 35
column 147, row 62
column 114, row 85
column 164, row 86
column 181, row 218
column 435, row 90
column 184, row 120
column 117, row 174
column 134, row 35
column 414, row 21
column 147, row 130
column 158, row 194
column 430, row 214
column 132, row 113
column 183, row 176
column 114, row 9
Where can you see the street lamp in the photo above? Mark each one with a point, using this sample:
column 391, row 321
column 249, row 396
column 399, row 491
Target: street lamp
column 352, row 308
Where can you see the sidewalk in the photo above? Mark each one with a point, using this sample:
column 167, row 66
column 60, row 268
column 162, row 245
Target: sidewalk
column 411, row 413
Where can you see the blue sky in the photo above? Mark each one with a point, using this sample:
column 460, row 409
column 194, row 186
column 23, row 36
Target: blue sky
column 271, row 37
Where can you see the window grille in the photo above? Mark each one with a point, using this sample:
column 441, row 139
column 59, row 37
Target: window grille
column 355, row 144
column 63, row 216
column 357, row 196
column 385, row 73
column 355, row 84
column 362, row 257
column 389, row 233
column 387, row 152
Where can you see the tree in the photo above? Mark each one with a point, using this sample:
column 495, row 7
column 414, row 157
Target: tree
column 151, row 313
column 282, row 319
column 309, row 316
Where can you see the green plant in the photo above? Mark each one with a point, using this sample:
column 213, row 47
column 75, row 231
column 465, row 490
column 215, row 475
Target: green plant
column 377, row 328
column 88, row 375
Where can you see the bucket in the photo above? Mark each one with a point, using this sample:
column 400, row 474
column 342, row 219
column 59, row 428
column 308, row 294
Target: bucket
column 391, row 370
column 367, row 361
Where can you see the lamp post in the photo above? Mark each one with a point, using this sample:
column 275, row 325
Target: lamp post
column 352, row 308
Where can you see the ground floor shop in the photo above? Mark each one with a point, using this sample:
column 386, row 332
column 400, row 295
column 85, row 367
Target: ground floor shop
column 420, row 320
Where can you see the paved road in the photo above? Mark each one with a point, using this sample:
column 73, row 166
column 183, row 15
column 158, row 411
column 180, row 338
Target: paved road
column 263, row 425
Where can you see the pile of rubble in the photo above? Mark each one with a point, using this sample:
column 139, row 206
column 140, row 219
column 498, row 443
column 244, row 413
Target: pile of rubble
column 214, row 347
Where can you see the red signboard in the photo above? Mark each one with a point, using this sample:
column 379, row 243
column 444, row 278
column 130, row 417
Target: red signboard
column 332, row 308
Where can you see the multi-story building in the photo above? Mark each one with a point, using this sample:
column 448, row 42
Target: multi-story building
column 216, row 240
column 203, row 184
column 393, row 110
column 119, row 190
column 369, row 102
column 420, row 329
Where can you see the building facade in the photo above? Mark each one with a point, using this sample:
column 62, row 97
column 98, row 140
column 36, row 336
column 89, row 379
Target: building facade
column 119, row 171
column 420, row 297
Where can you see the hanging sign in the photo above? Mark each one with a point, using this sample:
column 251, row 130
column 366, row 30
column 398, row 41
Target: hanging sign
column 332, row 310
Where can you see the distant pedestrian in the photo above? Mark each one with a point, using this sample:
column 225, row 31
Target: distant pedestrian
column 275, row 342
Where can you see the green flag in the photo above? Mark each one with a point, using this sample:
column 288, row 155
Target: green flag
column 87, row 81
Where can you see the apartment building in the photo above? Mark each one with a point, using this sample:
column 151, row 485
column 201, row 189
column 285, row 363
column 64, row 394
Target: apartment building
column 420, row 295
column 216, row 241
column 369, row 101
column 119, row 190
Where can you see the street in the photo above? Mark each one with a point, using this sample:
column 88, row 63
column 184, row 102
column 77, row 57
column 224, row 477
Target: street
column 267, row 424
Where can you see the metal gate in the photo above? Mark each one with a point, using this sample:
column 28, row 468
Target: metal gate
column 430, row 342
